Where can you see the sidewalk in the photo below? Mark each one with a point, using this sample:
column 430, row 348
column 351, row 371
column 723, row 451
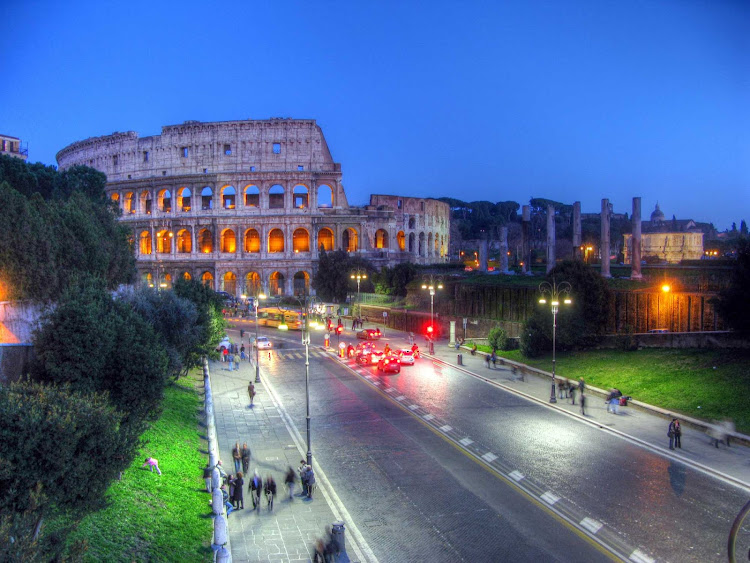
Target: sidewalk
column 288, row 533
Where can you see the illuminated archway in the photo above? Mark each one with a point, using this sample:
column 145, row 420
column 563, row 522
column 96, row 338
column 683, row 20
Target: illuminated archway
column 184, row 242
column 145, row 242
column 207, row 279
column 228, row 241
column 164, row 242
column 184, row 197
column 381, row 238
column 301, row 240
column 146, row 202
column 129, row 204
column 230, row 283
column 401, row 240
column 276, row 283
column 186, row 276
column 252, row 241
column 252, row 283
column 351, row 240
column 164, row 201
column 300, row 196
column 301, row 283
column 325, row 239
column 276, row 241
column 205, row 241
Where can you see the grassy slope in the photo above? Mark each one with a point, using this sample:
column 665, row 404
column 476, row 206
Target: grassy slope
column 681, row 380
column 152, row 518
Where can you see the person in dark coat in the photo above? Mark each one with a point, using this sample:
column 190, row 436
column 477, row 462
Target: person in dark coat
column 256, row 486
column 583, row 403
column 672, row 432
column 238, row 498
column 289, row 481
column 245, row 452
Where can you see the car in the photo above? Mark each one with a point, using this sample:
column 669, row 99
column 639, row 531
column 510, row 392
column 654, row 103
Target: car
column 369, row 334
column 365, row 347
column 389, row 364
column 406, row 356
column 369, row 358
column 224, row 344
column 263, row 343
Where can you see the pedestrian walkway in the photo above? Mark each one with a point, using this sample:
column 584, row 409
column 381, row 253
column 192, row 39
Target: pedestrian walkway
column 289, row 531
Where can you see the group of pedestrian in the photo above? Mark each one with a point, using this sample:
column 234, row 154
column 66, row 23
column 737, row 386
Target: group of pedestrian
column 614, row 400
column 327, row 548
column 358, row 323
column 307, row 477
column 241, row 457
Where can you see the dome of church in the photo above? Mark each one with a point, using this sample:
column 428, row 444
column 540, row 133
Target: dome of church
column 657, row 214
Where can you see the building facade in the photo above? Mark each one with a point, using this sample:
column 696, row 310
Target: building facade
column 12, row 146
column 247, row 204
column 670, row 241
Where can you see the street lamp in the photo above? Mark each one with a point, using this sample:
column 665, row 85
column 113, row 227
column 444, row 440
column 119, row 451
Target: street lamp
column 555, row 292
column 359, row 275
column 432, row 284
column 256, row 301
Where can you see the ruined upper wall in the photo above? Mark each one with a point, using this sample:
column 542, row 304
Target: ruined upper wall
column 273, row 145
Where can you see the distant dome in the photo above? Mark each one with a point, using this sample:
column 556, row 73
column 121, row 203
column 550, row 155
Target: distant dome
column 657, row 215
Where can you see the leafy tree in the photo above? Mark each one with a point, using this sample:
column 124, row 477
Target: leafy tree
column 498, row 339
column 732, row 303
column 211, row 325
column 52, row 443
column 393, row 281
column 743, row 227
column 332, row 281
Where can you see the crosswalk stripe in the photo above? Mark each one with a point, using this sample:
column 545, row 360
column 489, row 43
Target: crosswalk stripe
column 591, row 525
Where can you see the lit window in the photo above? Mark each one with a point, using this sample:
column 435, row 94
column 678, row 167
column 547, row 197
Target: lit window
column 276, row 148
column 300, row 168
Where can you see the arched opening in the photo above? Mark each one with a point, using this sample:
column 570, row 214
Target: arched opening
column 186, row 276
column 276, row 283
column 276, row 197
column 165, row 201
column 116, row 198
column 230, row 283
column 228, row 197
column 325, row 239
column 276, row 241
column 228, row 241
column 164, row 242
column 401, row 240
column 325, row 196
column 207, row 198
column 184, row 242
column 301, row 283
column 205, row 241
column 207, row 279
column 300, row 196
column 252, row 196
column 351, row 242
column 252, row 284
column 411, row 243
column 421, row 244
column 252, row 241
column 184, row 199
column 166, row 281
column 437, row 244
column 412, row 223
column 429, row 244
column 129, row 206
column 301, row 240
column 145, row 242
column 146, row 202
column 381, row 238
column 148, row 279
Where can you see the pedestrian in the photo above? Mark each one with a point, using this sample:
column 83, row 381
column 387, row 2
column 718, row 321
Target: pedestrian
column 225, row 499
column 671, row 433
column 251, row 392
column 474, row 349
column 493, row 358
column 207, row 478
column 245, row 458
column 224, row 354
column 581, row 385
column 243, row 357
column 487, row 361
column 583, row 403
column 239, row 496
column 289, row 480
column 237, row 457
column 269, row 488
column 152, row 464
column 572, row 393
column 562, row 389
column 354, row 323
column 256, row 486
column 302, row 470
column 677, row 434
column 319, row 555
column 222, row 473
column 310, row 481
column 230, row 359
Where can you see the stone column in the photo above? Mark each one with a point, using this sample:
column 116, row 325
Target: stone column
column 604, row 246
column 550, row 237
column 635, row 240
column 483, row 252
column 504, row 250
column 577, row 231
column 525, row 243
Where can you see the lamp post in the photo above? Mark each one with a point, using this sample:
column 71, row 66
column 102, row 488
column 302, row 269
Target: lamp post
column 432, row 284
column 256, row 301
column 555, row 291
column 359, row 275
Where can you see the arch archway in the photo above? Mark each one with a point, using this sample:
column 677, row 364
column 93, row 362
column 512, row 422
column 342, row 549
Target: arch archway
column 184, row 199
column 300, row 195
column 252, row 196
column 207, row 279
column 412, row 223
column 276, row 283
column 252, row 283
column 148, row 279
column 401, row 240
column 421, row 244
column 129, row 203
column 325, row 196
column 276, row 241
column 186, row 276
column 116, row 198
column 146, row 202
column 301, row 240
column 228, row 241
column 429, row 245
column 351, row 240
column 230, row 283
column 145, row 242
column 325, row 239
column 184, row 242
column 301, row 283
column 205, row 241
column 228, row 197
column 207, row 198
column 164, row 201
column 252, row 241
column 381, row 238
column 411, row 243
column 164, row 242
column 276, row 197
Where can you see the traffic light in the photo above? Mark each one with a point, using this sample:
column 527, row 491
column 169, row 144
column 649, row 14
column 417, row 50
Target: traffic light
column 340, row 329
column 429, row 330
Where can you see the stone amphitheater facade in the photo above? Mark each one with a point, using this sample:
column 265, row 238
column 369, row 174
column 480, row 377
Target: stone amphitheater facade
column 247, row 204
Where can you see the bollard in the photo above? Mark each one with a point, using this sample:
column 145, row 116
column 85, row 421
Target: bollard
column 223, row 555
column 339, row 542
column 215, row 478
column 220, row 533
column 217, row 501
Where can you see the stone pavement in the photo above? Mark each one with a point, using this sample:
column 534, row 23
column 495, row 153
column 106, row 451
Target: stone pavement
column 289, row 531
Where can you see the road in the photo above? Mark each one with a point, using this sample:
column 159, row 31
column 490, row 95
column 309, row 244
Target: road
column 436, row 465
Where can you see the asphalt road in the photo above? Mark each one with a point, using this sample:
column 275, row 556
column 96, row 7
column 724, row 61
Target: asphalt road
column 417, row 495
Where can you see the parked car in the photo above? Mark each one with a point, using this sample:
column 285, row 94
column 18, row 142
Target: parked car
column 369, row 334
column 369, row 358
column 406, row 355
column 263, row 343
column 389, row 364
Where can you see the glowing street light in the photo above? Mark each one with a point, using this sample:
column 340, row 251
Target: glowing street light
column 432, row 284
column 555, row 292
column 359, row 275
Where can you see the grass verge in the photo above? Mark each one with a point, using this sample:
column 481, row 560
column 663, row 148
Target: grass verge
column 153, row 518
column 705, row 384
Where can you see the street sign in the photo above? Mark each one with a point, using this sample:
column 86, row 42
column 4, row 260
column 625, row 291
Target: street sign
column 385, row 314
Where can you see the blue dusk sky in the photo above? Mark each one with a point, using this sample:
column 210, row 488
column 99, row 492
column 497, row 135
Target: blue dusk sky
column 567, row 100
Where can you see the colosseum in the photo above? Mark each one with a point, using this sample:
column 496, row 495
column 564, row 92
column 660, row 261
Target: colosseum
column 247, row 204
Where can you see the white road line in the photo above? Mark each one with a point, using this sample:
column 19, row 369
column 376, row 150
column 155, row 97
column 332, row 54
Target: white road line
column 489, row 457
column 390, row 390
column 428, row 416
column 550, row 498
column 446, row 428
column 516, row 475
column 466, row 442
column 401, row 398
column 591, row 525
column 639, row 557
column 413, row 407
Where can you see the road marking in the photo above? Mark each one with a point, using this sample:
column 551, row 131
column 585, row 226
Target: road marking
column 400, row 398
column 466, row 441
column 489, row 457
column 413, row 407
column 550, row 498
column 639, row 557
column 428, row 416
column 390, row 390
column 446, row 428
column 591, row 525
column 515, row 475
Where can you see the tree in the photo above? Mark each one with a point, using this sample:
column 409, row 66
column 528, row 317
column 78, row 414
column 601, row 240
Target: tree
column 732, row 303
column 210, row 322
column 498, row 339
column 743, row 228
column 332, row 280
column 393, row 281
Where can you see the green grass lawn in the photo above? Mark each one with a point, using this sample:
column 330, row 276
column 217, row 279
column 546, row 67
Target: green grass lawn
column 705, row 384
column 152, row 518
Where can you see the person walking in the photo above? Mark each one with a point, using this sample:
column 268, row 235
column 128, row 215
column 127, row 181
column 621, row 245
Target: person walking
column 572, row 390
column 242, row 353
column 269, row 488
column 238, row 498
column 289, row 481
column 583, row 404
column 581, row 386
column 230, row 360
column 493, row 359
column 671, row 432
column 302, row 470
column 237, row 457
column 256, row 486
column 245, row 452
column 251, row 392
column 677, row 434
column 152, row 464
column 310, row 474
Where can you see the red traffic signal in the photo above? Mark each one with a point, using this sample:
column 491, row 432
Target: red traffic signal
column 429, row 329
column 340, row 329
